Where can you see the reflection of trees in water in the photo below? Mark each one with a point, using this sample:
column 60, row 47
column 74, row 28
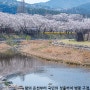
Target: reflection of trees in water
column 22, row 77
column 19, row 64
column 4, row 62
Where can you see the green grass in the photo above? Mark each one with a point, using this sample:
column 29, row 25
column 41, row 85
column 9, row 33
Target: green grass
column 13, row 36
column 74, row 42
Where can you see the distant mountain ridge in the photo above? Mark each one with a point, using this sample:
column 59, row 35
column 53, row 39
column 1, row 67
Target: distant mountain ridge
column 69, row 6
column 82, row 9
column 8, row 2
column 50, row 7
column 10, row 6
column 63, row 4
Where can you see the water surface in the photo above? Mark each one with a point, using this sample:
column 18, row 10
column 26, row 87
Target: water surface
column 35, row 72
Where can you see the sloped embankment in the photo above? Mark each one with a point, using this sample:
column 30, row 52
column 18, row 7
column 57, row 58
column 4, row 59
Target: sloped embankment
column 44, row 49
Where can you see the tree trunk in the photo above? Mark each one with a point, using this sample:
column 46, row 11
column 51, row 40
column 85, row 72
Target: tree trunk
column 80, row 36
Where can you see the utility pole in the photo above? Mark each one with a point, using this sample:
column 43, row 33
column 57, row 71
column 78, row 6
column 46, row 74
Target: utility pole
column 21, row 7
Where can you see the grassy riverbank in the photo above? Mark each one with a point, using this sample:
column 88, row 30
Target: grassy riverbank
column 4, row 47
column 44, row 49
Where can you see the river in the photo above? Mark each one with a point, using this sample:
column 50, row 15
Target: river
column 36, row 72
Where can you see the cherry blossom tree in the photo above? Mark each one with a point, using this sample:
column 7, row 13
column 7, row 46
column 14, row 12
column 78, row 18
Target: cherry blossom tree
column 26, row 23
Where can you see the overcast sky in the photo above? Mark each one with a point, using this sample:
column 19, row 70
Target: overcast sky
column 34, row 1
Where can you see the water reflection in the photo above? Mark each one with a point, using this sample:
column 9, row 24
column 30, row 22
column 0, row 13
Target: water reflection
column 18, row 64
column 35, row 72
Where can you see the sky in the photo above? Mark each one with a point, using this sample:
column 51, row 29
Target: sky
column 34, row 1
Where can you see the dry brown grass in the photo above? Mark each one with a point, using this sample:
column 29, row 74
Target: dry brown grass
column 44, row 49
column 4, row 47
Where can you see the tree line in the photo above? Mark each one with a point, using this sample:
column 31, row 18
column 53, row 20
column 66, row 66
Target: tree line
column 31, row 24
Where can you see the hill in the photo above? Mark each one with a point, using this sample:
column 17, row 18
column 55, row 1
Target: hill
column 50, row 7
column 10, row 6
column 63, row 4
column 82, row 9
